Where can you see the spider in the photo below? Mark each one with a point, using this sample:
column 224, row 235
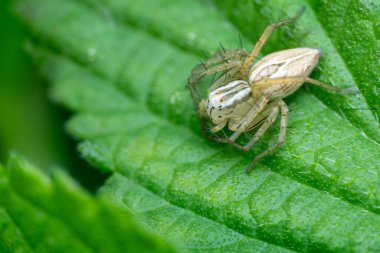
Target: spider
column 244, row 95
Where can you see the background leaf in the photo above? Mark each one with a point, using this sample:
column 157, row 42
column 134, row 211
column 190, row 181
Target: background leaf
column 54, row 215
column 30, row 123
column 122, row 66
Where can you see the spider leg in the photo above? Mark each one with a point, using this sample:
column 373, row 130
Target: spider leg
column 263, row 39
column 255, row 122
column 252, row 113
column 225, row 140
column 218, row 62
column 223, row 61
column 267, row 122
column 201, row 71
column 263, row 128
column 281, row 138
column 225, row 77
column 226, row 55
column 265, row 85
column 329, row 87
column 194, row 83
column 218, row 127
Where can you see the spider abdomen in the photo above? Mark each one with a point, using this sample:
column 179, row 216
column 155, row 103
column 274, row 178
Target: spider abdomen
column 297, row 62
column 285, row 63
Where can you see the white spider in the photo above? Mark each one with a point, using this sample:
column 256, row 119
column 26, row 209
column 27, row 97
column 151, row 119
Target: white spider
column 246, row 95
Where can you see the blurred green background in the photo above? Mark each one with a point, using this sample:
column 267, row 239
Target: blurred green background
column 30, row 123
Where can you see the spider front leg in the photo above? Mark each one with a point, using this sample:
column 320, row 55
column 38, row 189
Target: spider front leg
column 219, row 127
column 221, row 61
column 244, row 123
column 264, row 127
column 228, row 62
column 281, row 139
column 263, row 39
column 201, row 71
column 270, row 117
column 252, row 114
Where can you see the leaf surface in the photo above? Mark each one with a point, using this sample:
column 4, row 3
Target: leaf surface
column 122, row 67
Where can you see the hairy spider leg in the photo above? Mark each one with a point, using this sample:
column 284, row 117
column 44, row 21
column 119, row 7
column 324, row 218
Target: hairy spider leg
column 284, row 112
column 265, row 123
column 263, row 39
column 281, row 138
column 264, row 127
column 252, row 114
column 219, row 127
column 229, row 59
column 194, row 80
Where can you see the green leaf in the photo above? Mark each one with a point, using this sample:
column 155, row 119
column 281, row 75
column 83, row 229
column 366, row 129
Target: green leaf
column 51, row 214
column 122, row 67
column 197, row 233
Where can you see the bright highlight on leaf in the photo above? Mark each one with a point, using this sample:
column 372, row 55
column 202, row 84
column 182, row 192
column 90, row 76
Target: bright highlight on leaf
column 121, row 66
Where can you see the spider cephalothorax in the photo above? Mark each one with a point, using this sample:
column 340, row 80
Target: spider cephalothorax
column 246, row 95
